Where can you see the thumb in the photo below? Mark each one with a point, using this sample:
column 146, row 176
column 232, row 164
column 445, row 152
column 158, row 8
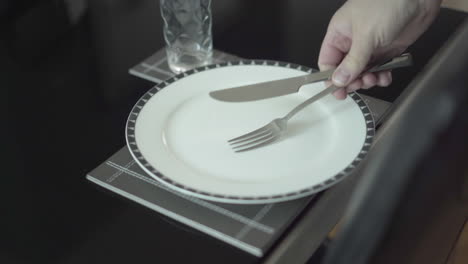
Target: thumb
column 354, row 62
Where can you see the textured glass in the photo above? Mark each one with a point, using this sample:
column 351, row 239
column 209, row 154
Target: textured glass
column 187, row 32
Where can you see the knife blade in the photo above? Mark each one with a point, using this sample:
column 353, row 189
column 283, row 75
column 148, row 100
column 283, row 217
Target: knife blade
column 269, row 89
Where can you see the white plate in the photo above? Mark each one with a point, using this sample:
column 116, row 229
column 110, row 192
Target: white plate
column 177, row 133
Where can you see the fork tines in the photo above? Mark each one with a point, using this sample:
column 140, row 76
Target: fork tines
column 254, row 139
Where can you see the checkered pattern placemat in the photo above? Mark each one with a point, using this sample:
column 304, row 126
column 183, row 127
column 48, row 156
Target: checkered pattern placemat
column 252, row 228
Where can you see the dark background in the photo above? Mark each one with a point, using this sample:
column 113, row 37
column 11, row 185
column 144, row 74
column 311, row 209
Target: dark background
column 64, row 74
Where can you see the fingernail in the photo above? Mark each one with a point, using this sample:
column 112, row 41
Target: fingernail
column 341, row 77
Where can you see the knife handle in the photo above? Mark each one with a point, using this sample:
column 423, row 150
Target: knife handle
column 403, row 60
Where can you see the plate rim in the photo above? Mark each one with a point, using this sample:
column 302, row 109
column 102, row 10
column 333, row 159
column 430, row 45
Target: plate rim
column 154, row 173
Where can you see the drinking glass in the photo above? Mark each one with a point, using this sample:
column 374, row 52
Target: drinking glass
column 187, row 33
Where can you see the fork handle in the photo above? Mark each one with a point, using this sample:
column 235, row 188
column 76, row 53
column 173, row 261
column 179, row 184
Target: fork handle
column 307, row 102
column 397, row 62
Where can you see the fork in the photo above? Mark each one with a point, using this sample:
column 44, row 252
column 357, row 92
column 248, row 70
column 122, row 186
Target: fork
column 274, row 130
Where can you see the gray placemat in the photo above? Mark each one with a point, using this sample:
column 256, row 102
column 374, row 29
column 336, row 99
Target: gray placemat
column 252, row 228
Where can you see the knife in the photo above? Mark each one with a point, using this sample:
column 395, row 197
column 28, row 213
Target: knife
column 281, row 87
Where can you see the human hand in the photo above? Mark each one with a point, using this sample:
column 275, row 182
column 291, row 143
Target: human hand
column 366, row 32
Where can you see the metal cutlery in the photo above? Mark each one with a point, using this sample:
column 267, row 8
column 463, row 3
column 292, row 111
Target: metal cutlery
column 281, row 87
column 275, row 129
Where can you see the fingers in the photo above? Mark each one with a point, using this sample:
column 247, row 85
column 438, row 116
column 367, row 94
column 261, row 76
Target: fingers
column 354, row 62
column 343, row 92
column 329, row 57
column 384, row 78
column 368, row 80
column 333, row 50
column 340, row 94
column 355, row 85
column 350, row 58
